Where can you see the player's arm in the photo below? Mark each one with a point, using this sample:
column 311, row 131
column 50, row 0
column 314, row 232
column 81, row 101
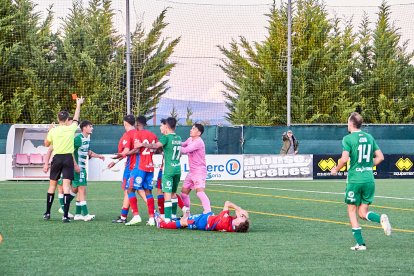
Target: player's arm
column 239, row 211
column 184, row 144
column 92, row 154
column 341, row 162
column 75, row 165
column 48, row 139
column 79, row 102
column 190, row 148
column 123, row 154
column 379, row 157
column 47, row 159
column 150, row 146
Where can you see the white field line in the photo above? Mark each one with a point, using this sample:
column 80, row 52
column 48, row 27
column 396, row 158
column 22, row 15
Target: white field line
column 302, row 191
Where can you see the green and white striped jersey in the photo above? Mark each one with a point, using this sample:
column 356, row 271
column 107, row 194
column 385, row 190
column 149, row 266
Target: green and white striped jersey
column 81, row 150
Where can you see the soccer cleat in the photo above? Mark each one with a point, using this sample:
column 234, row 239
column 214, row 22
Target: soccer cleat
column 78, row 217
column 89, row 217
column 151, row 222
column 359, row 247
column 385, row 223
column 71, row 216
column 65, row 220
column 119, row 220
column 157, row 219
column 135, row 220
column 46, row 216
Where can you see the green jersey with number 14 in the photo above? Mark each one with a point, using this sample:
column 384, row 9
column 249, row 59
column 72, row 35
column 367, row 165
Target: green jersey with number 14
column 171, row 146
column 361, row 147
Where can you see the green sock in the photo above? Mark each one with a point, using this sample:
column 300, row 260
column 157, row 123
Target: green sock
column 78, row 208
column 61, row 201
column 371, row 216
column 358, row 235
column 84, row 208
column 174, row 205
column 167, row 209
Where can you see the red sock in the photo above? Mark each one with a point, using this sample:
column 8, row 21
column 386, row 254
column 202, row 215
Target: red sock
column 180, row 201
column 133, row 203
column 161, row 204
column 150, row 205
column 168, row 225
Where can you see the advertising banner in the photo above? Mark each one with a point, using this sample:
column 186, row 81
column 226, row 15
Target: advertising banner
column 266, row 166
column 393, row 166
column 219, row 167
column 322, row 165
column 397, row 166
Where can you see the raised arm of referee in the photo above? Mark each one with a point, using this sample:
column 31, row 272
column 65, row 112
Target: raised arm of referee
column 61, row 137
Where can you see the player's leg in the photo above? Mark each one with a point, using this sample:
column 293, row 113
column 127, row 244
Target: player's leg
column 188, row 185
column 125, row 202
column 185, row 196
column 82, row 197
column 356, row 229
column 160, row 194
column 67, row 176
column 49, row 198
column 353, row 199
column 147, row 186
column 134, row 184
column 167, row 188
column 142, row 195
column 200, row 185
column 78, row 210
column 60, row 195
column 174, row 199
column 55, row 171
column 161, row 223
column 367, row 197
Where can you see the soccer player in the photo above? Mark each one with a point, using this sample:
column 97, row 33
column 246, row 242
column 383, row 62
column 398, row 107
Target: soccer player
column 141, row 177
column 171, row 144
column 209, row 222
column 196, row 179
column 81, row 154
column 61, row 137
column 125, row 144
column 363, row 152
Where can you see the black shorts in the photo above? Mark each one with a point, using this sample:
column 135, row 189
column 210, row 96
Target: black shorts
column 62, row 164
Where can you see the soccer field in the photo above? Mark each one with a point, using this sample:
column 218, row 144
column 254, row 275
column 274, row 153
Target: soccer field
column 298, row 227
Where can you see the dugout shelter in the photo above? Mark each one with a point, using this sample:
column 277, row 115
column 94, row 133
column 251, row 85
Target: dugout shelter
column 25, row 151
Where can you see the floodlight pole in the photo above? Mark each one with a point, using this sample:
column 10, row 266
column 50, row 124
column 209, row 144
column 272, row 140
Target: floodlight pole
column 289, row 62
column 128, row 59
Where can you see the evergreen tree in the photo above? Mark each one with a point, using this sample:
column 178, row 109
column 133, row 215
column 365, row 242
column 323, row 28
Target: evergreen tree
column 386, row 89
column 24, row 41
column 92, row 62
column 150, row 53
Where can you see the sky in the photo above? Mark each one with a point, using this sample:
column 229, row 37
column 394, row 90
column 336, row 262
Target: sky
column 203, row 25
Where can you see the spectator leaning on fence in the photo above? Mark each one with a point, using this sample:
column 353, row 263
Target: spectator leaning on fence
column 290, row 143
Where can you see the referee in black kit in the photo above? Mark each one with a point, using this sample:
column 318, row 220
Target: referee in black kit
column 61, row 138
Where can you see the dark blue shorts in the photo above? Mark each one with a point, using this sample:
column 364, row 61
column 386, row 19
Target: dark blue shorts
column 199, row 221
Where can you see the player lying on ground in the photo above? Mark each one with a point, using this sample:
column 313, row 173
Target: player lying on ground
column 210, row 222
